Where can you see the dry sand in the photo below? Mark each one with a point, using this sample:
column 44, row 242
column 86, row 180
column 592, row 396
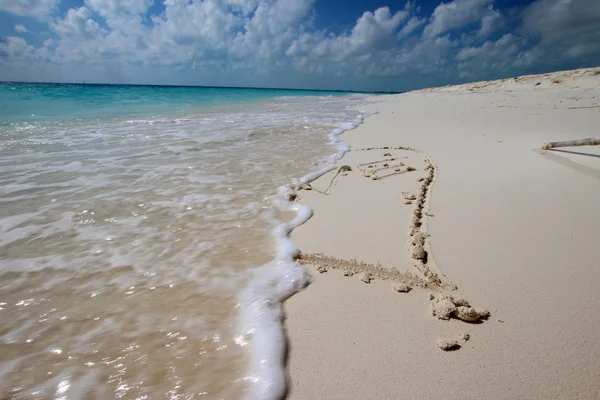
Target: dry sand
column 515, row 229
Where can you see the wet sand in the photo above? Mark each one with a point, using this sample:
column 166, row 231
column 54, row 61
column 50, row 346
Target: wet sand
column 408, row 260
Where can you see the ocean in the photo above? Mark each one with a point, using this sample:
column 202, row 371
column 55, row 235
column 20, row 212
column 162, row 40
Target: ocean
column 144, row 248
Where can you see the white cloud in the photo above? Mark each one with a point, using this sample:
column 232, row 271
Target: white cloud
column 430, row 55
column 21, row 29
column 189, row 31
column 258, row 37
column 77, row 24
column 267, row 35
column 256, row 42
column 495, row 58
column 379, row 25
column 411, row 26
column 80, row 38
column 118, row 8
column 16, row 47
column 571, row 27
column 39, row 9
column 491, row 22
column 554, row 16
column 448, row 16
column 246, row 7
column 374, row 33
column 503, row 48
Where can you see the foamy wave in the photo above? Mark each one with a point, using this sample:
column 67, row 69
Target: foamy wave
column 276, row 281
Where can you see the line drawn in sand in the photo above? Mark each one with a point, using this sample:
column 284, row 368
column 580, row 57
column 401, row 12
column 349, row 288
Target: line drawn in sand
column 368, row 170
column 343, row 170
column 448, row 302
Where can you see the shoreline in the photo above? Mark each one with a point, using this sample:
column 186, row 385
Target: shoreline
column 261, row 302
column 497, row 195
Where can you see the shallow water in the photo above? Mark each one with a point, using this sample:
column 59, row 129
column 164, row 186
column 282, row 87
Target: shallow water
column 127, row 241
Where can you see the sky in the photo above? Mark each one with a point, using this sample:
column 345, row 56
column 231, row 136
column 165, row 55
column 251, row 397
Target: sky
column 369, row 45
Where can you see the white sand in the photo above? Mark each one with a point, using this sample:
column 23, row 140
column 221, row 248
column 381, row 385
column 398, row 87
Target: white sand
column 516, row 229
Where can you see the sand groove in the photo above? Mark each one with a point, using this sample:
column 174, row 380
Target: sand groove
column 354, row 267
column 343, row 170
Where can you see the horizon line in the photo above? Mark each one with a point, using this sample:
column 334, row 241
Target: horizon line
column 199, row 86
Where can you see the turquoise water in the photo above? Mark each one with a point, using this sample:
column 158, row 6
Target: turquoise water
column 132, row 221
column 35, row 103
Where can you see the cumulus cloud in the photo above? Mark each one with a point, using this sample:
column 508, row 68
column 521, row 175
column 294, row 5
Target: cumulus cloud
column 448, row 16
column 118, row 8
column 569, row 27
column 31, row 8
column 274, row 42
column 79, row 37
column 504, row 46
column 373, row 32
column 21, row 29
column 492, row 22
column 413, row 24
column 77, row 24
column 495, row 58
column 14, row 46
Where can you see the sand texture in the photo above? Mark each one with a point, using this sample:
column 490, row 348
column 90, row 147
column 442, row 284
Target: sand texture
column 452, row 257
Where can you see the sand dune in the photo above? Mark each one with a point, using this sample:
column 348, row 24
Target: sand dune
column 498, row 238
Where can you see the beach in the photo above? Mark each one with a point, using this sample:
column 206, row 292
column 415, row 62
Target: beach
column 447, row 202
column 241, row 243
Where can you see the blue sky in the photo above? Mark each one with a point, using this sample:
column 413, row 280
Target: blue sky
column 324, row 44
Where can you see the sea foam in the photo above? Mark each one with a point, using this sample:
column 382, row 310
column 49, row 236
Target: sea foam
column 261, row 304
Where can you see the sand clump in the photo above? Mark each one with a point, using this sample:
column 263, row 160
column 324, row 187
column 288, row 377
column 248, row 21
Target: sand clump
column 409, row 196
column 416, row 249
column 459, row 300
column 443, row 308
column 366, row 277
column 402, row 288
column 446, row 306
column 470, row 314
column 448, row 344
column 420, row 260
